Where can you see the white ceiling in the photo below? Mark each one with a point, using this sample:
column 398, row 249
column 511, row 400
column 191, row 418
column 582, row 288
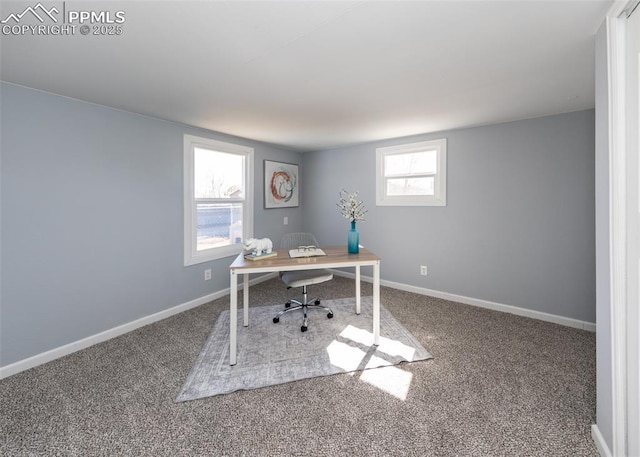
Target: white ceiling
column 314, row 74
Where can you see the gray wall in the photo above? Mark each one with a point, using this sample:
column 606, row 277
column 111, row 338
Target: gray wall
column 92, row 221
column 604, row 368
column 91, row 217
column 518, row 227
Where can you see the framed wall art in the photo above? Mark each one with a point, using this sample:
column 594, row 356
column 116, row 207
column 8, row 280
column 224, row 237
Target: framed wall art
column 281, row 185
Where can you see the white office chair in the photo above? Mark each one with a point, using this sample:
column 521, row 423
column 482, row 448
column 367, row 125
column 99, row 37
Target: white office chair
column 302, row 278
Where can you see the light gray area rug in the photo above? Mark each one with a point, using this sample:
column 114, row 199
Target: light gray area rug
column 270, row 354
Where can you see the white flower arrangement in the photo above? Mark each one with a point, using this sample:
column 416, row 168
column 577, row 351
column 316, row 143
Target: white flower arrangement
column 350, row 207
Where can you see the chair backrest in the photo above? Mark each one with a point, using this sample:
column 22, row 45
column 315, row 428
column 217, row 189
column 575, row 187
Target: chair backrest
column 293, row 240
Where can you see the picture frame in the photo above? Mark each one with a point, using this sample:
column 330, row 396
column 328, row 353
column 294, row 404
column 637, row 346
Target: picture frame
column 281, row 185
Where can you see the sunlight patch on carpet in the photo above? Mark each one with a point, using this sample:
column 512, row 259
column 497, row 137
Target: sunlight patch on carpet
column 392, row 380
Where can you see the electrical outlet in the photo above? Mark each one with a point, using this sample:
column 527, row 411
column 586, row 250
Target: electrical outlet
column 423, row 270
column 207, row 274
column 286, row 220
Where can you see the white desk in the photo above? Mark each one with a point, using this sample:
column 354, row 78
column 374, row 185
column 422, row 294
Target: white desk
column 337, row 257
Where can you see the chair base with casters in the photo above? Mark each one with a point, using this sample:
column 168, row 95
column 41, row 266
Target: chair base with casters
column 303, row 279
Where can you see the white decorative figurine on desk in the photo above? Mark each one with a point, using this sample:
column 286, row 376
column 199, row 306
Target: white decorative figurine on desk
column 258, row 246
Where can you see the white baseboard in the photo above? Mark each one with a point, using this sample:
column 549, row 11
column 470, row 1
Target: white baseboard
column 70, row 348
column 603, row 449
column 566, row 321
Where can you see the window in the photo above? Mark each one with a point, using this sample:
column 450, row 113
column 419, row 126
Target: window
column 218, row 198
column 412, row 174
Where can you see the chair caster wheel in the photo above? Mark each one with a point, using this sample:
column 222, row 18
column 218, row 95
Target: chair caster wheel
column 276, row 320
column 287, row 304
column 317, row 302
column 303, row 328
column 330, row 315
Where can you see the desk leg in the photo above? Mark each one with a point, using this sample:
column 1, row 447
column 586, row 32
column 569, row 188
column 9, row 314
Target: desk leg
column 233, row 317
column 376, row 304
column 357, row 289
column 245, row 295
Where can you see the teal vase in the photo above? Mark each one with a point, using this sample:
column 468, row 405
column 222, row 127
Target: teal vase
column 353, row 239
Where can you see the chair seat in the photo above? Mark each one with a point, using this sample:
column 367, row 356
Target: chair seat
column 302, row 278
column 305, row 277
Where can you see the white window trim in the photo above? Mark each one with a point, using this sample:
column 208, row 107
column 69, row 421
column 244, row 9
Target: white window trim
column 191, row 255
column 440, row 196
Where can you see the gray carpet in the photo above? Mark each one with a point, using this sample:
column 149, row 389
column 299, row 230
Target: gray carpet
column 498, row 385
column 270, row 354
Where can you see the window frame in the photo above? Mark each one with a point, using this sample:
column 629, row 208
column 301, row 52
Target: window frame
column 191, row 255
column 439, row 198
